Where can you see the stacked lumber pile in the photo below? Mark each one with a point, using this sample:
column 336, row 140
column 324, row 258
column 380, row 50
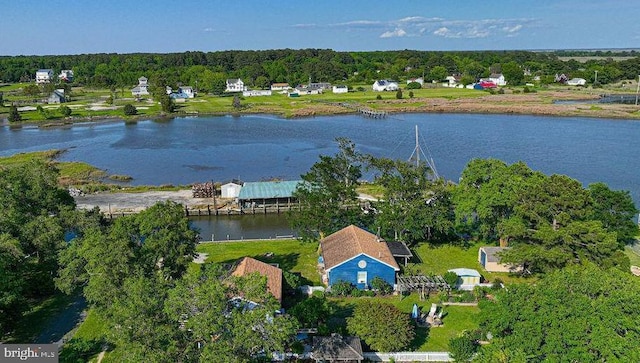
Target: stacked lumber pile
column 203, row 190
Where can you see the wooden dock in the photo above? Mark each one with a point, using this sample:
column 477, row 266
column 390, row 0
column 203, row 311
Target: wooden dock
column 364, row 111
column 367, row 112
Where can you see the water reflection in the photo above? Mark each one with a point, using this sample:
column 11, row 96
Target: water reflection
column 237, row 227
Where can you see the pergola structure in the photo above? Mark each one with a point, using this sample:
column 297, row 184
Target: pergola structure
column 424, row 284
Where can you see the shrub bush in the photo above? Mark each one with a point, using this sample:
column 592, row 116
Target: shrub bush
column 130, row 109
column 342, row 288
column 414, row 85
column 378, row 97
column 381, row 286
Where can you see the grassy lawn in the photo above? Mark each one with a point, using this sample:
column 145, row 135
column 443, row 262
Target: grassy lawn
column 291, row 255
column 438, row 259
column 633, row 253
column 69, row 171
column 456, row 320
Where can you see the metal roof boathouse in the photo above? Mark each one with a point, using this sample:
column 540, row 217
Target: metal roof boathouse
column 263, row 195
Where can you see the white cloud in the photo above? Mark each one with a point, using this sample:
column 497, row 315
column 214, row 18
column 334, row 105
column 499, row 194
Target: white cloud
column 394, row 34
column 512, row 29
column 208, row 30
column 415, row 26
column 442, row 31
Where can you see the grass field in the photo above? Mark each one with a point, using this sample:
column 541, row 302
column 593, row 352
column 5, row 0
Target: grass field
column 291, row 255
column 70, row 172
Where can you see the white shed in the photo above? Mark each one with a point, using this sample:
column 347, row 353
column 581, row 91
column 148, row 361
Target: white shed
column 467, row 278
column 230, row 190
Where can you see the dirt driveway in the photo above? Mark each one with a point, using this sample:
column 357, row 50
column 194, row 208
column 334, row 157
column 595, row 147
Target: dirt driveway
column 135, row 202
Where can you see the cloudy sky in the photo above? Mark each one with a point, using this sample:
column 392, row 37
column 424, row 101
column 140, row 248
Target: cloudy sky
column 127, row 26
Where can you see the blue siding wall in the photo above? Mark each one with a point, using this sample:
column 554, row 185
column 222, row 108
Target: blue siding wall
column 348, row 271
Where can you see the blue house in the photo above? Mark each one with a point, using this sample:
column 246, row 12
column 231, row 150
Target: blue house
column 356, row 256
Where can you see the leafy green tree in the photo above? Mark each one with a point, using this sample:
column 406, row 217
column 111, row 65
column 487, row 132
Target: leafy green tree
column 218, row 83
column 262, row 82
column 31, row 90
column 513, row 73
column 199, row 305
column 462, row 348
column 167, row 104
column 312, row 312
column 382, row 326
column 399, row 94
column 156, row 242
column 14, row 115
column 438, row 73
column 414, row 207
column 12, row 285
column 236, row 102
column 130, row 110
column 467, row 80
column 451, row 278
column 488, row 192
column 616, row 210
column 578, row 314
column 327, row 195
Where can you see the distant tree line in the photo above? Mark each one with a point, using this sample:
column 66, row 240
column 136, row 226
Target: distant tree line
column 208, row 70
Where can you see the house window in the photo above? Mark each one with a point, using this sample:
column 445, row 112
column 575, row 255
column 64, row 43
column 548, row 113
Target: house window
column 362, row 277
column 362, row 264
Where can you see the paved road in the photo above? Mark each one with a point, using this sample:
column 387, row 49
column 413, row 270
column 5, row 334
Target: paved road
column 64, row 322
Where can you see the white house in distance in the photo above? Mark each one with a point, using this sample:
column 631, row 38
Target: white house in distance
column 235, row 85
column 340, row 89
column 453, row 81
column 187, row 90
column 66, row 75
column 498, row 79
column 385, row 85
column 142, row 89
column 44, row 76
column 280, row 86
column 577, row 82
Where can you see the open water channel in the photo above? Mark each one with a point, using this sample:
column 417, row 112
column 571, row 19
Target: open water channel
column 257, row 147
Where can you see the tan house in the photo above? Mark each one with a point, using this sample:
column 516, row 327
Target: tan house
column 489, row 259
column 273, row 274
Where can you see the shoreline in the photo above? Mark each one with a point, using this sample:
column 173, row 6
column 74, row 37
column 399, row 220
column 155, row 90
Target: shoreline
column 535, row 104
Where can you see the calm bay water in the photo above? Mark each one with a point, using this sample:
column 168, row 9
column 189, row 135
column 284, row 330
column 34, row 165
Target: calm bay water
column 257, row 147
